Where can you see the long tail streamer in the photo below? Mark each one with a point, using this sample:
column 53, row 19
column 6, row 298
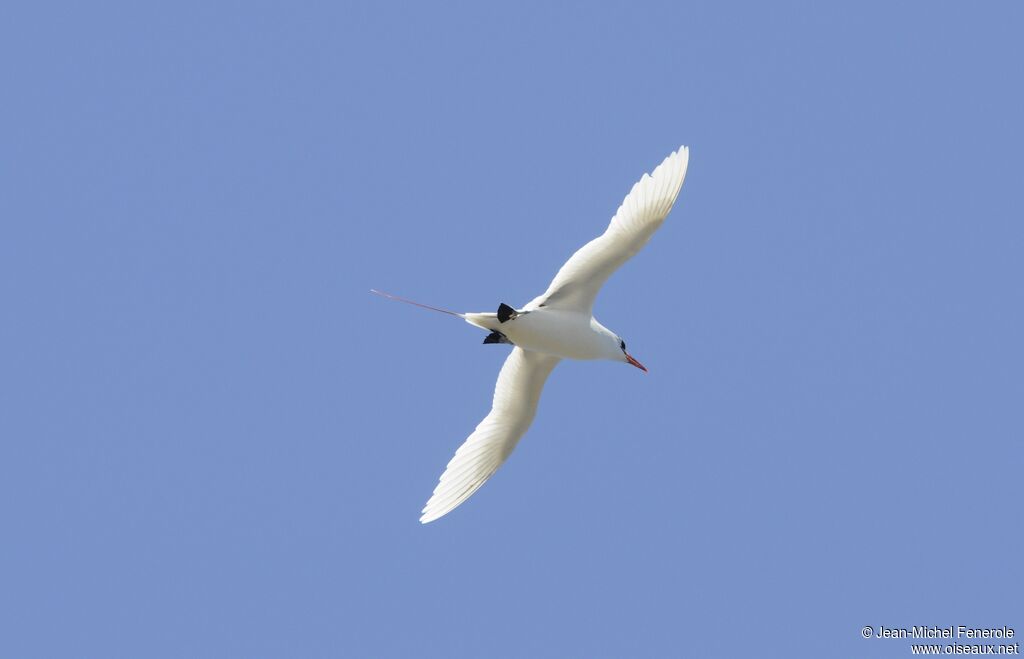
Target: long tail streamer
column 425, row 306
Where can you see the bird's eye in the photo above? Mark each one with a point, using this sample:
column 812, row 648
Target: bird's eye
column 622, row 344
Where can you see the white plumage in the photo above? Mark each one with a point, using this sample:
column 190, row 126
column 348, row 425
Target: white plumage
column 555, row 325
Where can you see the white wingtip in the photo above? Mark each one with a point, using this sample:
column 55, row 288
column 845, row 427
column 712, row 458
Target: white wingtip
column 456, row 486
column 427, row 519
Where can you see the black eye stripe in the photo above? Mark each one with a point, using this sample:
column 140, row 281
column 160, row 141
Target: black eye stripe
column 622, row 344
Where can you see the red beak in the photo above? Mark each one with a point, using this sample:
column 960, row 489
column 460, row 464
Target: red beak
column 629, row 358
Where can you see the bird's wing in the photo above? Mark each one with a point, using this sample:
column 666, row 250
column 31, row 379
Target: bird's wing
column 515, row 402
column 641, row 213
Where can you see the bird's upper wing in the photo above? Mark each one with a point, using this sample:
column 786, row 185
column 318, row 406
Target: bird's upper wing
column 641, row 213
column 515, row 402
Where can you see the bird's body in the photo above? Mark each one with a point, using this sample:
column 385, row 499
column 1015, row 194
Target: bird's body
column 559, row 324
column 559, row 333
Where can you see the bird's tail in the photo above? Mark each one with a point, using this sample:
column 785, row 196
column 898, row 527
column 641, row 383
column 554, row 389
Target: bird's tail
column 487, row 321
column 418, row 304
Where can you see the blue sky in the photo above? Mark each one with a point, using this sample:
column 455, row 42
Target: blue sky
column 216, row 442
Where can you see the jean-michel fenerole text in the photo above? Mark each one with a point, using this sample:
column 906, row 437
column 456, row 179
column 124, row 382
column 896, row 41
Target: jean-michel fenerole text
column 953, row 631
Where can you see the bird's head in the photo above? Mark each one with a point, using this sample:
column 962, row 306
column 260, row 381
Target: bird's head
column 613, row 347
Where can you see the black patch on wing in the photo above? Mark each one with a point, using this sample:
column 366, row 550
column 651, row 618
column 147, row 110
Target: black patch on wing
column 506, row 313
column 496, row 337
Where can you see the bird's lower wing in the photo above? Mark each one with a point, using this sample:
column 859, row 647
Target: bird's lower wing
column 515, row 403
column 641, row 213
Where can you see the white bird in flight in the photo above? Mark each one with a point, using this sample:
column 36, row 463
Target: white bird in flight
column 559, row 324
